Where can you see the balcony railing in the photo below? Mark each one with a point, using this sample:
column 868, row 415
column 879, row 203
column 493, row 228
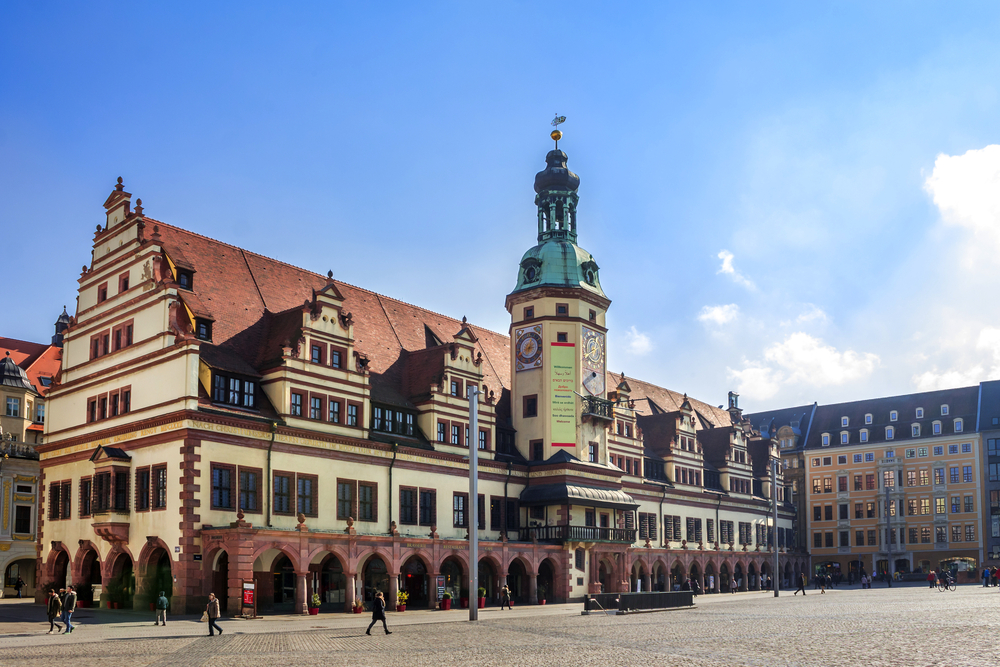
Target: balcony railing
column 17, row 450
column 598, row 408
column 577, row 534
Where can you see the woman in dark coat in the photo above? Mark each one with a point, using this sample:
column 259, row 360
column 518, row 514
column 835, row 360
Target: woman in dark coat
column 54, row 609
column 378, row 614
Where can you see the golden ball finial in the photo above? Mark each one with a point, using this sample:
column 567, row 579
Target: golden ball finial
column 556, row 135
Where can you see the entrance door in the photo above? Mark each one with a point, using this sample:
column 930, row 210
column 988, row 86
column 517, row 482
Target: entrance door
column 284, row 581
column 414, row 582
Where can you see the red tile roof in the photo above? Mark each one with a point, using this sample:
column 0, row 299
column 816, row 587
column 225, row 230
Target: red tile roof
column 666, row 400
column 37, row 360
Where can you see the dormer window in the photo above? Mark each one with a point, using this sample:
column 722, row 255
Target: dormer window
column 868, row 418
column 203, row 329
column 920, row 413
column 936, row 427
column 233, row 390
column 185, row 279
column 826, row 439
column 958, row 426
column 893, row 416
column 845, row 422
column 889, row 432
column 864, row 435
column 844, row 437
column 915, row 430
column 944, row 410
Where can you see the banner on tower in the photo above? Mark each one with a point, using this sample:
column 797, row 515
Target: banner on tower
column 562, row 376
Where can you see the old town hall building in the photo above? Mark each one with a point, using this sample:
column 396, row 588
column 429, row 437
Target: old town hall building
column 222, row 417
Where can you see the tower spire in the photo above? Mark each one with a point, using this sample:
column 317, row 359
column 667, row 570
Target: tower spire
column 556, row 198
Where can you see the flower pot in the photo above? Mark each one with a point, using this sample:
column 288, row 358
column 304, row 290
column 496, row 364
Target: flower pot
column 463, row 603
column 400, row 607
column 482, row 603
column 115, row 605
column 152, row 606
column 313, row 611
column 446, row 604
column 358, row 610
column 541, row 602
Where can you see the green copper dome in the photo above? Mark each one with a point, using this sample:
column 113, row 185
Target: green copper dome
column 557, row 260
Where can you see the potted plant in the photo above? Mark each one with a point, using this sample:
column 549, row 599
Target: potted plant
column 314, row 603
column 463, row 599
column 401, row 598
column 482, row 597
column 446, row 601
column 358, row 606
column 541, row 594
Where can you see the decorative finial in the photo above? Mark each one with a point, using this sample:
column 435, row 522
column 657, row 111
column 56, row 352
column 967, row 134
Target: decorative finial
column 464, row 320
column 329, row 274
column 556, row 134
column 138, row 207
column 120, row 185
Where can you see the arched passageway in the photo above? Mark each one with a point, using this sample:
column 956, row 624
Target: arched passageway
column 284, row 581
column 376, row 578
column 454, row 581
column 517, row 580
column 332, row 584
column 90, row 576
column 220, row 581
column 59, row 569
column 488, row 579
column 546, row 581
column 414, row 581
column 120, row 590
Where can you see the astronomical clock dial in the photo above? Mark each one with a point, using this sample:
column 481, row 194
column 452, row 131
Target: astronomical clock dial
column 593, row 361
column 528, row 348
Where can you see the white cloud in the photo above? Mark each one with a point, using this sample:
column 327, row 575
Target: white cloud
column 802, row 359
column 932, row 380
column 637, row 343
column 719, row 315
column 728, row 269
column 966, row 190
column 814, row 314
column 975, row 372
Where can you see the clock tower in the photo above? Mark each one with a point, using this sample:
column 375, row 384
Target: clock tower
column 557, row 332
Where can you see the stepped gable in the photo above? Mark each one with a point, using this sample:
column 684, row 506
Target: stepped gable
column 256, row 303
column 665, row 400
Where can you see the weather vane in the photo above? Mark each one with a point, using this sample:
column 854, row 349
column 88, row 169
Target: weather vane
column 556, row 134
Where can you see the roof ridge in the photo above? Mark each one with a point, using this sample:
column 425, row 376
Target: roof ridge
column 318, row 275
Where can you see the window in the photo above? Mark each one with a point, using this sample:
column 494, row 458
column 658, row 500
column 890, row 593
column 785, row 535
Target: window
column 869, row 457
column 367, row 502
column 890, row 453
column 828, row 513
column 296, row 405
column 306, row 488
column 817, row 513
column 936, row 428
column 842, row 484
column 592, row 452
column 911, row 477
column 925, row 506
column 222, row 487
column 863, row 438
column 958, row 426
column 815, row 463
column 845, row 538
column 817, row 485
column 888, row 479
column 966, row 447
column 953, row 474
column 845, row 422
column 955, row 504
column 102, row 491
column 335, row 358
column 858, row 484
column 970, row 532
column 250, row 490
column 407, row 506
column 537, row 450
column 868, row 418
column 939, row 506
column 938, row 450
column 969, row 504
column 482, row 439
column 593, row 315
column 22, row 519
column 826, row 439
column 123, row 282
column 458, row 510
column 818, row 540
column 159, row 487
column 940, row 534
column 859, row 510
column 185, row 279
column 844, row 438
column 316, row 354
column 40, row 413
column 529, row 312
column 282, row 493
column 334, row 411
column 442, row 427
column 924, row 480
column 828, row 540
column 956, row 533
column 893, row 416
column 857, row 458
column 562, row 337
column 966, row 474
column 939, row 475
column 142, row 489
column 428, row 507
column 920, row 413
column 203, row 329
column 889, row 432
column 13, row 407
column 952, row 449
column 870, row 481
column 102, row 293
column 841, row 460
column 530, row 406
column 456, row 388
column 85, row 497
column 352, row 414
column 454, row 434
column 562, row 309
column 121, row 491
column 345, row 499
column 842, row 512
column 316, row 407
column 911, row 507
column 944, row 410
column 915, row 431
column 859, row 538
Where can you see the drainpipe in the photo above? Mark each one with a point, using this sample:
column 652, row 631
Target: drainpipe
column 270, row 480
column 395, row 446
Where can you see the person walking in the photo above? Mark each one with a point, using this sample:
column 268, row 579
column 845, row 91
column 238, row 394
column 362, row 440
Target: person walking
column 213, row 613
column 931, row 579
column 378, row 614
column 19, row 586
column 162, row 603
column 732, row 585
column 986, row 577
column 504, row 597
column 69, row 606
column 802, row 585
column 53, row 609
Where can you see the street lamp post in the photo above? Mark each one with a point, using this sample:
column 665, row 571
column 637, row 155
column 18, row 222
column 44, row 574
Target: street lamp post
column 776, row 577
column 472, row 510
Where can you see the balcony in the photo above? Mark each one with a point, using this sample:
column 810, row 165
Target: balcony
column 598, row 408
column 17, row 450
column 577, row 534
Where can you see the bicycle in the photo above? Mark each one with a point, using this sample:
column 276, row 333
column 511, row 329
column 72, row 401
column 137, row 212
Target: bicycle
column 946, row 583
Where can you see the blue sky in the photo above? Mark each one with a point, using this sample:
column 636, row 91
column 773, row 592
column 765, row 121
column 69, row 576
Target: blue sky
column 795, row 201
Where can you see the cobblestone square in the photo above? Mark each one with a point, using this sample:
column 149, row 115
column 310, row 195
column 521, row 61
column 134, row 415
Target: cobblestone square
column 903, row 626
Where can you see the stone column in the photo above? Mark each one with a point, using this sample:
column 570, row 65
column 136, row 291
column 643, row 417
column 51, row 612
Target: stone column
column 390, row 596
column 432, row 590
column 349, row 590
column 301, row 605
column 532, row 588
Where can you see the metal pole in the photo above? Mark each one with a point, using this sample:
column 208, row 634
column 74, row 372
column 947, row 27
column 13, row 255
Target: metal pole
column 472, row 512
column 888, row 534
column 776, row 576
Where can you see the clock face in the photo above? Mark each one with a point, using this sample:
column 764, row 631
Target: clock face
column 528, row 348
column 593, row 361
column 593, row 350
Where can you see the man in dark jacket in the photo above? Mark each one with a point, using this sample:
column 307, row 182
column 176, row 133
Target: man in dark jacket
column 378, row 614
column 162, row 603
column 53, row 609
column 69, row 606
column 802, row 585
column 19, row 586
column 213, row 613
